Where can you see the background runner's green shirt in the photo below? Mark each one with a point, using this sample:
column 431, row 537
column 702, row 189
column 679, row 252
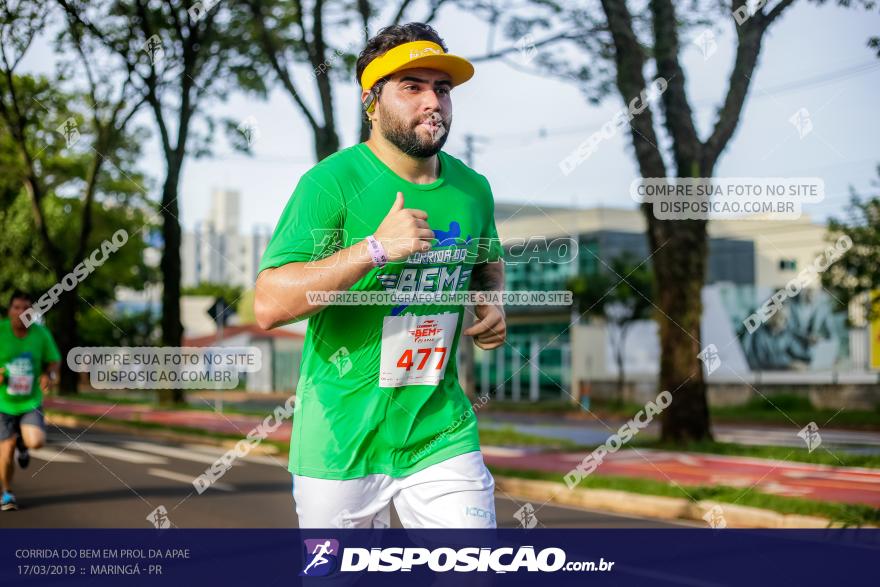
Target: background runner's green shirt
column 23, row 360
column 345, row 425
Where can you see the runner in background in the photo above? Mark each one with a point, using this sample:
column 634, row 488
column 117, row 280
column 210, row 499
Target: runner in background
column 29, row 362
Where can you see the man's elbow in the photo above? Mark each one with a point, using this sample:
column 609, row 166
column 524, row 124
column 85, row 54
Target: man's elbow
column 262, row 311
column 265, row 309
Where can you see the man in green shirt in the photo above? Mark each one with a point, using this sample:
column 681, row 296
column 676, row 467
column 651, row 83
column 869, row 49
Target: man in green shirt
column 380, row 415
column 28, row 367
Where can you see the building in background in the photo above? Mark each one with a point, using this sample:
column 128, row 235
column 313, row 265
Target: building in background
column 217, row 252
column 552, row 352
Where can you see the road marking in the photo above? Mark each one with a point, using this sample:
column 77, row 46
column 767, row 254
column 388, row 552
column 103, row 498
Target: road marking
column 120, row 454
column 186, row 479
column 207, row 449
column 54, row 456
column 217, row 451
column 170, row 451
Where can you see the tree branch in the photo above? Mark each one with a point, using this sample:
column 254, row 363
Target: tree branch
column 565, row 36
column 630, row 60
column 272, row 53
column 678, row 114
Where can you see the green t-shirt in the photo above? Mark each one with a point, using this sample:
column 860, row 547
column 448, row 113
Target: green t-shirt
column 23, row 360
column 379, row 390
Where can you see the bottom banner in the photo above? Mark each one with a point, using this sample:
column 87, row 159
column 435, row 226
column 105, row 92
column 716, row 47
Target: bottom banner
column 437, row 557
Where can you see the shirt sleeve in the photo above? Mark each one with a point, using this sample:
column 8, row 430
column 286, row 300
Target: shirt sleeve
column 310, row 227
column 489, row 249
column 50, row 349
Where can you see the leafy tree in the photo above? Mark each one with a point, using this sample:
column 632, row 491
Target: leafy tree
column 856, row 275
column 608, row 46
column 182, row 56
column 619, row 302
column 139, row 328
column 63, row 145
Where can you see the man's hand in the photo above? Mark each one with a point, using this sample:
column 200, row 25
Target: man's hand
column 490, row 329
column 45, row 382
column 2, row 374
column 404, row 231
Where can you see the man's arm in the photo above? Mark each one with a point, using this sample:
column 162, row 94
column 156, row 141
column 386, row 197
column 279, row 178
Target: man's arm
column 49, row 377
column 490, row 329
column 281, row 294
column 488, row 276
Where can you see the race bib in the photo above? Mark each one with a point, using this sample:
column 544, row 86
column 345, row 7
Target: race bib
column 21, row 377
column 416, row 349
column 20, row 384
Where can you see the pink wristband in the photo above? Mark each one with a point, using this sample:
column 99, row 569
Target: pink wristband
column 377, row 251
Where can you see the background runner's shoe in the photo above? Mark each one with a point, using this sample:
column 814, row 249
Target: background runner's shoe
column 24, row 457
column 8, row 502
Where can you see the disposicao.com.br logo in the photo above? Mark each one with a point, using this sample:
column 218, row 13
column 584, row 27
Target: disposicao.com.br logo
column 322, row 556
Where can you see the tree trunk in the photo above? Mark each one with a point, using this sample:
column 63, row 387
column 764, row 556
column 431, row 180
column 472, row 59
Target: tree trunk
column 172, row 329
column 66, row 337
column 326, row 142
column 621, row 376
column 680, row 268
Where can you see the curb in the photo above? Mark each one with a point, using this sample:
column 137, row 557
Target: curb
column 71, row 420
column 655, row 506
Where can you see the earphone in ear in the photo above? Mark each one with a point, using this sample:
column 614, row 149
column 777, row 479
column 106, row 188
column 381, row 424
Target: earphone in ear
column 370, row 101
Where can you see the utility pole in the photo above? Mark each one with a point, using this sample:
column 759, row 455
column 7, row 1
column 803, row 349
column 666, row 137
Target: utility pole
column 470, row 141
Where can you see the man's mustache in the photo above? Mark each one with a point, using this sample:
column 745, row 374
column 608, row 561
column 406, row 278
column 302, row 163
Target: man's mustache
column 436, row 118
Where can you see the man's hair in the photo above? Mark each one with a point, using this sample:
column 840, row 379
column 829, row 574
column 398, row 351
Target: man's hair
column 20, row 295
column 390, row 37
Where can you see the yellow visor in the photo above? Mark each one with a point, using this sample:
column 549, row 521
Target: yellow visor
column 417, row 54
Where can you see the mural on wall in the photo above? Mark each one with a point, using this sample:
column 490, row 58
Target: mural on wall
column 804, row 334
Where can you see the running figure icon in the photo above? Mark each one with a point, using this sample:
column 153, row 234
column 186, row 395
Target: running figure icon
column 320, row 550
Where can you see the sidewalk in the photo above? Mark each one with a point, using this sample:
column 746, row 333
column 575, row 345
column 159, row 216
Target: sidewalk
column 197, row 419
column 819, row 482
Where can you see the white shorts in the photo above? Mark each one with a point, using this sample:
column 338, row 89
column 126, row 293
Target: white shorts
column 456, row 493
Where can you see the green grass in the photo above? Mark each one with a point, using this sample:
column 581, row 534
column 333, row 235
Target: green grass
column 779, row 408
column 819, row 456
column 758, row 410
column 98, row 397
column 509, row 436
column 541, row 407
column 797, row 408
column 847, row 514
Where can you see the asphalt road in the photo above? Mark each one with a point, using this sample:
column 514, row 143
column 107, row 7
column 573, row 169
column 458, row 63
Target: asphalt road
column 94, row 479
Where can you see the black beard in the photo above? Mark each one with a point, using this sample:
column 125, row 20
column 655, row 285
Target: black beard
column 406, row 138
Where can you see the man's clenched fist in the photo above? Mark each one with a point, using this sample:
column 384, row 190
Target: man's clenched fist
column 404, row 231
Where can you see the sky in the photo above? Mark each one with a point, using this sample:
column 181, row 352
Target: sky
column 814, row 57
